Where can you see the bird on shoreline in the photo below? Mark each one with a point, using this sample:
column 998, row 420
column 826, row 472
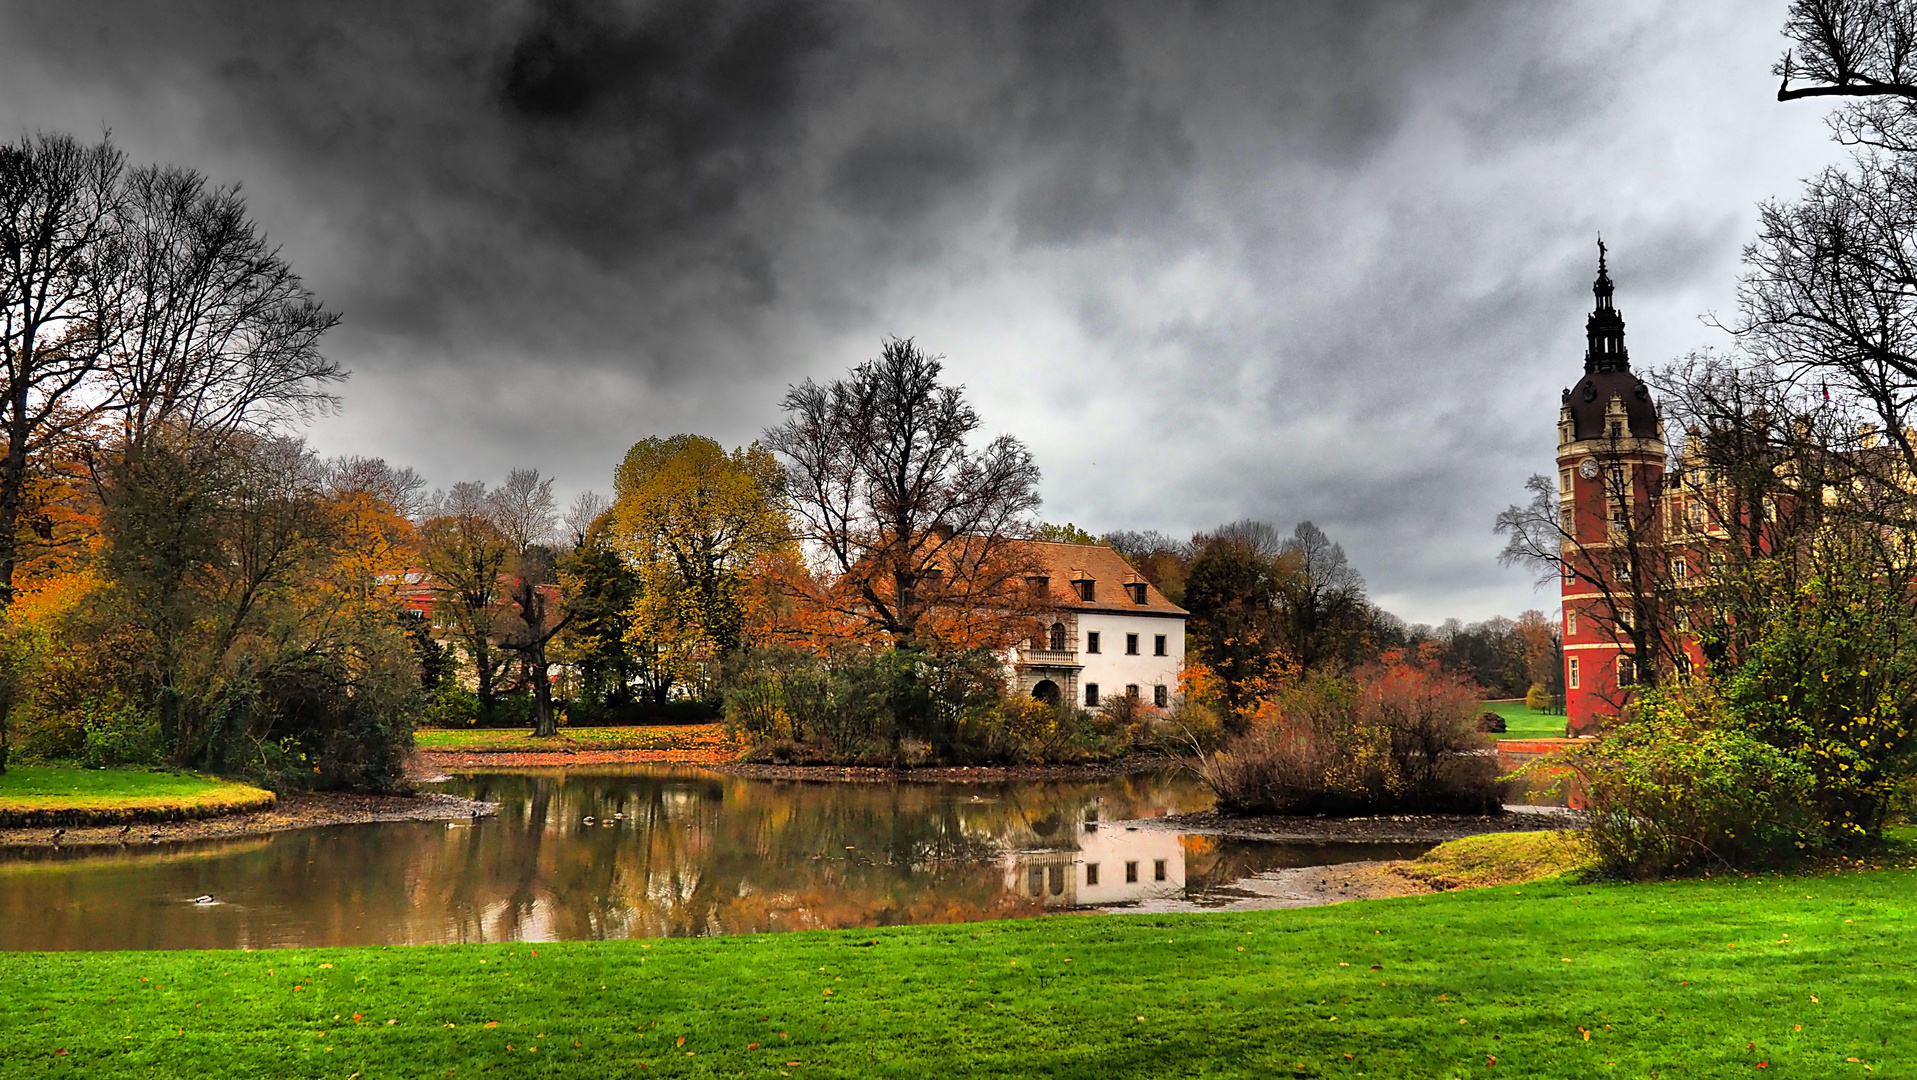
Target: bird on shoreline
column 57, row 834
column 124, row 830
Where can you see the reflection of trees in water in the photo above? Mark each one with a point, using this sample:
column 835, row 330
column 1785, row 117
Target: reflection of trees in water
column 699, row 854
column 696, row 854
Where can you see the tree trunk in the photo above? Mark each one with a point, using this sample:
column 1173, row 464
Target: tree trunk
column 546, row 725
column 483, row 669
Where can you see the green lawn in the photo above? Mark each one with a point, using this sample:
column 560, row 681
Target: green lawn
column 32, row 794
column 693, row 737
column 1801, row 976
column 1522, row 722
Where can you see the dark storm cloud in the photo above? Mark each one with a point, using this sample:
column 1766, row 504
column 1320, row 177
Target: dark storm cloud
column 1212, row 259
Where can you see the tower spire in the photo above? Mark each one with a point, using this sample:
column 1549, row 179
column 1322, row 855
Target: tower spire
column 1604, row 330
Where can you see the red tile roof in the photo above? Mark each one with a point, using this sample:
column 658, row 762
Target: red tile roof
column 1106, row 569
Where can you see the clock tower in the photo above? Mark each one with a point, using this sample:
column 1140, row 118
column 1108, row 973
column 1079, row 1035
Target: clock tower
column 1611, row 461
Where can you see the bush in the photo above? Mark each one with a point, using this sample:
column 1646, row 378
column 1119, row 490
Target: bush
column 1682, row 787
column 451, row 706
column 903, row 707
column 119, row 733
column 1388, row 737
column 1537, row 699
column 1491, row 723
column 1831, row 677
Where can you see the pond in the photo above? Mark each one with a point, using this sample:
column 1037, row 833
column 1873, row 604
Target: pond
column 649, row 851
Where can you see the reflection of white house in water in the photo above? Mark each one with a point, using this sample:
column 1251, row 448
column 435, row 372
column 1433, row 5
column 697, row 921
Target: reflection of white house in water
column 1112, row 865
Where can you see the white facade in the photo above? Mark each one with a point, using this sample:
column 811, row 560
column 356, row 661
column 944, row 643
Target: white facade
column 1114, row 669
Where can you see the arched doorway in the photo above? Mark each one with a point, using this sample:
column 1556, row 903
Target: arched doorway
column 1046, row 691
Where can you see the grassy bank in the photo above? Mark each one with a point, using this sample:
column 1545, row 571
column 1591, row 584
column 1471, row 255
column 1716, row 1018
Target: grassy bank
column 46, row 795
column 1802, row 976
column 1523, row 722
column 520, row 741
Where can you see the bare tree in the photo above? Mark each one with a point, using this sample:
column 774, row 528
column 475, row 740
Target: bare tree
column 1850, row 48
column 524, row 509
column 59, row 211
column 1324, row 615
column 403, row 489
column 902, row 513
column 1619, row 554
column 587, row 507
column 217, row 336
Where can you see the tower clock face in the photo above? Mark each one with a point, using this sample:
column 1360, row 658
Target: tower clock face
column 1589, row 469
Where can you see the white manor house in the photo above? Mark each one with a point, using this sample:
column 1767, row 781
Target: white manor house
column 1112, row 632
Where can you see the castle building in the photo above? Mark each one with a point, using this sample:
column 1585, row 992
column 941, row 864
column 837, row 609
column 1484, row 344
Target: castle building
column 1632, row 536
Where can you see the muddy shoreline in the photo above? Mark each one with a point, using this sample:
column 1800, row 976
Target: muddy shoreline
column 1401, row 828
column 432, row 763
column 436, row 762
column 292, row 812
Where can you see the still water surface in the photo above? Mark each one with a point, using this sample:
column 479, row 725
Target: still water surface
column 670, row 852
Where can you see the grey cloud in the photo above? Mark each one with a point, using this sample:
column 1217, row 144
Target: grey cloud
column 1273, row 259
column 898, row 177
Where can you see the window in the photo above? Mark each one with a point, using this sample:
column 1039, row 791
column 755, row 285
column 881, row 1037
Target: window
column 1040, row 585
column 1158, row 869
column 1684, row 619
column 1137, row 589
column 1131, row 691
column 1570, row 575
column 1623, row 574
column 1680, row 568
column 1564, row 481
column 1681, row 663
column 1131, row 644
column 1037, row 881
column 1626, row 671
column 1087, row 589
column 1161, row 697
column 1091, row 641
column 1091, row 695
column 1058, row 879
column 1572, row 679
column 1131, row 873
column 1091, row 873
column 1158, row 645
column 1058, row 637
column 1570, row 623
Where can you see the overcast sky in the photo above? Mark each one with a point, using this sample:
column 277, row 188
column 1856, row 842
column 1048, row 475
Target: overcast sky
column 1210, row 260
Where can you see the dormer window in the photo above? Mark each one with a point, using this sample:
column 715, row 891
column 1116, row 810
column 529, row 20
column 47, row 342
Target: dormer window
column 1137, row 589
column 1087, row 589
column 1039, row 584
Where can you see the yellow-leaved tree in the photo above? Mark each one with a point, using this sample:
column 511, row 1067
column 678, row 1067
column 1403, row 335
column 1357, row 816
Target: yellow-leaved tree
column 694, row 520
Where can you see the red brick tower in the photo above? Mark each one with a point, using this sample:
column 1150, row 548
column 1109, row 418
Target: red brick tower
column 1611, row 461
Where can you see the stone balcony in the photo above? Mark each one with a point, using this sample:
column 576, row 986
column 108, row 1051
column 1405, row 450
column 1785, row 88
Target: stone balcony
column 1049, row 657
